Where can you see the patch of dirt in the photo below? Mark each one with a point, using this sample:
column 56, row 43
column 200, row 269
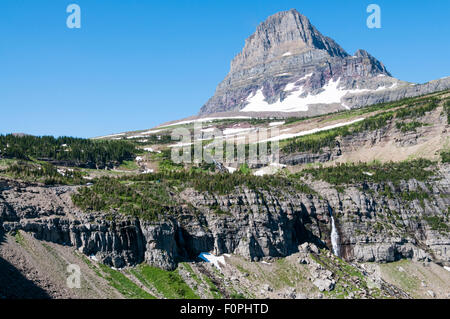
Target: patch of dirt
column 39, row 270
column 425, row 280
column 428, row 141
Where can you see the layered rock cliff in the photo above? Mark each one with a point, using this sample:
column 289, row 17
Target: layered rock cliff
column 256, row 224
column 287, row 66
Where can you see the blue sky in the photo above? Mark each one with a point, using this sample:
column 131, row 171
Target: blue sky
column 135, row 64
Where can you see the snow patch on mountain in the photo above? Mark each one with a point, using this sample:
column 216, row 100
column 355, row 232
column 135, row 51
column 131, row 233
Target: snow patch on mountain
column 295, row 102
column 277, row 123
column 217, row 261
column 308, row 132
column 230, row 131
column 207, row 119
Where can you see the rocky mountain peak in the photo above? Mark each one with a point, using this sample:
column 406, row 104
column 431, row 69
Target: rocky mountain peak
column 288, row 68
column 362, row 54
column 377, row 65
column 283, row 34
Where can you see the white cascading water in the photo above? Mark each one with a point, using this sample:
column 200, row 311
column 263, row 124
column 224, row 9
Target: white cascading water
column 334, row 236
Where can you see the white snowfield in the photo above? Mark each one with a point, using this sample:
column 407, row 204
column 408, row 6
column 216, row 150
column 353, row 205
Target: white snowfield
column 151, row 132
column 151, row 150
column 283, row 74
column 180, row 145
column 293, row 85
column 229, row 133
column 112, row 135
column 231, row 170
column 308, row 132
column 216, row 261
column 208, row 119
column 234, row 131
column 269, row 170
column 331, row 94
column 209, row 130
column 241, row 133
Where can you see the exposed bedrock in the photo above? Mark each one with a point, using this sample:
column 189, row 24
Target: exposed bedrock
column 253, row 224
column 288, row 56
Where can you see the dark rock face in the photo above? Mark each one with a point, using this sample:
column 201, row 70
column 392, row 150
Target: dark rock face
column 256, row 224
column 400, row 92
column 252, row 231
column 287, row 49
column 306, row 158
column 87, row 164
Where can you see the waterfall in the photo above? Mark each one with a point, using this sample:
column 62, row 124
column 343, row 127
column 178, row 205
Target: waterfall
column 334, row 235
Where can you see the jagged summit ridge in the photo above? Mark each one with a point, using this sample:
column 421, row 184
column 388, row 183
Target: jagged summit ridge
column 283, row 34
column 288, row 68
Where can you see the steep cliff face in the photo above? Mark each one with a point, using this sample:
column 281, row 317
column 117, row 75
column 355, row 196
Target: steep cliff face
column 253, row 224
column 287, row 66
column 286, row 33
column 386, row 143
column 381, row 229
column 249, row 230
